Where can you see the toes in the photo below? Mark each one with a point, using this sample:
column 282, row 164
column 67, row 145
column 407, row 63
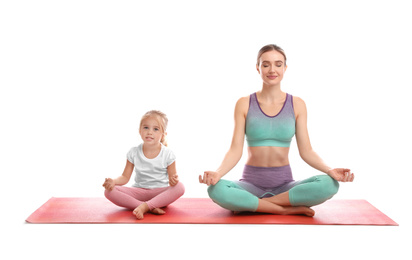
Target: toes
column 139, row 215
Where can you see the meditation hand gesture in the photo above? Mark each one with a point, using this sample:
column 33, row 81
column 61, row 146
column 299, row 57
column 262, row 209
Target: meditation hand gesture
column 209, row 178
column 173, row 180
column 108, row 184
column 341, row 174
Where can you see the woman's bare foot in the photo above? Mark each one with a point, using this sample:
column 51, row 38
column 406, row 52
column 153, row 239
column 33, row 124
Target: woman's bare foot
column 141, row 210
column 299, row 211
column 310, row 212
column 158, row 211
column 266, row 206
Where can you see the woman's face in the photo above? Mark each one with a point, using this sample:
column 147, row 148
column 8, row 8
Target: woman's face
column 271, row 67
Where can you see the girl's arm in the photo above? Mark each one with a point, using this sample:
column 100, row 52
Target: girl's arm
column 122, row 179
column 234, row 154
column 171, row 171
column 306, row 151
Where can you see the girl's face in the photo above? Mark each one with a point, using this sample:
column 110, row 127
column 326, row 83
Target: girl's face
column 150, row 131
column 271, row 67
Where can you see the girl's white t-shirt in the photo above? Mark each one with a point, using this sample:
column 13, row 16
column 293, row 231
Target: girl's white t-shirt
column 151, row 173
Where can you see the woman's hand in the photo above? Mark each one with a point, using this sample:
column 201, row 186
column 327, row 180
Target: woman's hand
column 109, row 184
column 341, row 174
column 173, row 180
column 209, row 178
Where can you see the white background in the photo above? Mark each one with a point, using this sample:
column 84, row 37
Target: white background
column 76, row 76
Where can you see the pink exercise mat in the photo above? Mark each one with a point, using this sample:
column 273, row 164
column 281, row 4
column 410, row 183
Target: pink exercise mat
column 203, row 211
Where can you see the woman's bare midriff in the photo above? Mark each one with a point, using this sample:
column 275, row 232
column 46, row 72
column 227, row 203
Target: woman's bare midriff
column 268, row 156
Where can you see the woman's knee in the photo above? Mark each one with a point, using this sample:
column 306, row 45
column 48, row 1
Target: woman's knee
column 229, row 195
column 329, row 186
column 218, row 191
column 315, row 191
column 222, row 194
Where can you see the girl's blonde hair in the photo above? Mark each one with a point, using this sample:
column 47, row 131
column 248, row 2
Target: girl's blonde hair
column 161, row 118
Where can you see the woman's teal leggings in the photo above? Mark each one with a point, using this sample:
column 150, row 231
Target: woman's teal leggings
column 243, row 196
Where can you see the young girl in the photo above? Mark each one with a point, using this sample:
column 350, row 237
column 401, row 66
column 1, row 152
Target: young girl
column 156, row 182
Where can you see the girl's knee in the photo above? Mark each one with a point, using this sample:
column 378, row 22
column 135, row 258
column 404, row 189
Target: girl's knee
column 107, row 193
column 111, row 194
column 180, row 188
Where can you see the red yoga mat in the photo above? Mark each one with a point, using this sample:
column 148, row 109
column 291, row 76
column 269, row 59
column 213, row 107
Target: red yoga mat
column 204, row 211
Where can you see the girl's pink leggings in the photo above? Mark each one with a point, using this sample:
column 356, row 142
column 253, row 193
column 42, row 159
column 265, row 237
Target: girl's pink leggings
column 132, row 197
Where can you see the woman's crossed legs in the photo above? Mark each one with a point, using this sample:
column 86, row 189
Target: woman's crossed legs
column 291, row 198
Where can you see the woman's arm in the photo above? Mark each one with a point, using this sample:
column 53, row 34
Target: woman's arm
column 302, row 138
column 305, row 148
column 122, row 179
column 234, row 154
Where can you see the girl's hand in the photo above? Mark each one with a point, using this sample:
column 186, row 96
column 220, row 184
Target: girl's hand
column 173, row 180
column 108, row 184
column 341, row 174
column 209, row 178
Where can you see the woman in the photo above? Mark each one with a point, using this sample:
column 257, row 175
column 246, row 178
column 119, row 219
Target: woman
column 269, row 119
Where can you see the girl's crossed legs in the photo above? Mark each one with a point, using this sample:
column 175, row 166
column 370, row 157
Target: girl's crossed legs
column 142, row 200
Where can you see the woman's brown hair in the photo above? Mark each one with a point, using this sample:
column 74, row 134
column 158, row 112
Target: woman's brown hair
column 270, row 47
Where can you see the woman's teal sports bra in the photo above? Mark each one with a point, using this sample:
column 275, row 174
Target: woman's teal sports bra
column 264, row 130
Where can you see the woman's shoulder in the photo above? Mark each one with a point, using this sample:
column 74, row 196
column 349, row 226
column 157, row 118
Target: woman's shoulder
column 299, row 105
column 242, row 106
column 298, row 101
column 243, row 102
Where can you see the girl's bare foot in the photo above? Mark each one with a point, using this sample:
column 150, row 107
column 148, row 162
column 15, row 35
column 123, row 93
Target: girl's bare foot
column 158, row 211
column 141, row 210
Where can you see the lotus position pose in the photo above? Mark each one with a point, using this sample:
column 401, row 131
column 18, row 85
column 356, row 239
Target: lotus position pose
column 269, row 119
column 156, row 182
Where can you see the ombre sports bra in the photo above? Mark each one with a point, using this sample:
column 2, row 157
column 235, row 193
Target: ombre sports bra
column 264, row 130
